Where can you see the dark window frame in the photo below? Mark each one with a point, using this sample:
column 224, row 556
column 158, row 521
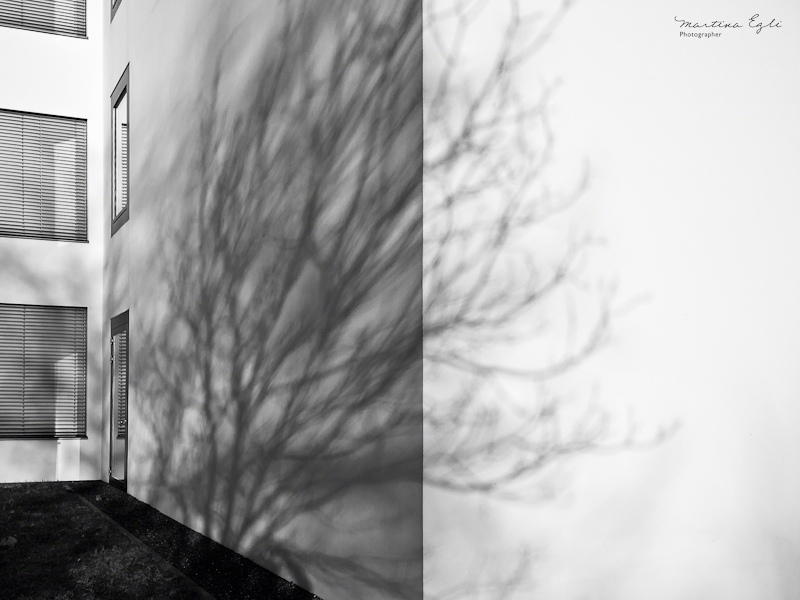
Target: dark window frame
column 114, row 6
column 80, row 375
column 122, row 90
column 82, row 234
column 119, row 324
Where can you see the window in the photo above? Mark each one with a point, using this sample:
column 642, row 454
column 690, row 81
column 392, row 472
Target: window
column 42, row 371
column 61, row 17
column 119, row 401
column 119, row 158
column 119, row 368
column 42, row 177
column 114, row 6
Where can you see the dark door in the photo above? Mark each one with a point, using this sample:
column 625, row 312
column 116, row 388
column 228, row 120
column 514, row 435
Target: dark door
column 118, row 462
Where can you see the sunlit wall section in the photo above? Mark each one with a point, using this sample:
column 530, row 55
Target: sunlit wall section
column 51, row 244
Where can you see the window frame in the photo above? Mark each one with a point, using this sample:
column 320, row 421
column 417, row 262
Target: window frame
column 122, row 89
column 119, row 324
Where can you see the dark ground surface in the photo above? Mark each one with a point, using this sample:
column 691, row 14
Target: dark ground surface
column 223, row 573
column 55, row 547
column 65, row 550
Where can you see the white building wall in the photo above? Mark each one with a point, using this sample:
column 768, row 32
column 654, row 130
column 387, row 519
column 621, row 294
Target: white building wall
column 166, row 46
column 59, row 75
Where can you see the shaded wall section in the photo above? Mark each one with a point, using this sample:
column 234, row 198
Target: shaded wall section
column 272, row 270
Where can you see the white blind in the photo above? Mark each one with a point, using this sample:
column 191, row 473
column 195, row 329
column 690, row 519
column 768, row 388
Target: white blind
column 61, row 17
column 42, row 177
column 42, row 371
column 122, row 201
column 121, row 364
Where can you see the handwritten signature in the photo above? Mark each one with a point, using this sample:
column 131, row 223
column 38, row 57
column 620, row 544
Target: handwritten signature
column 753, row 23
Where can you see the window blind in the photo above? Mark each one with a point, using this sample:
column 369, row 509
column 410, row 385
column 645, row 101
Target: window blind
column 42, row 177
column 42, row 371
column 61, row 17
column 123, row 167
column 121, row 367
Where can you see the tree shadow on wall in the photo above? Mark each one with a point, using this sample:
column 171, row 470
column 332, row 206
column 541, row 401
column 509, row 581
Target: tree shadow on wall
column 279, row 362
column 281, row 376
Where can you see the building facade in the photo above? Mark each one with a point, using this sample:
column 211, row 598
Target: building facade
column 248, row 272
column 51, row 241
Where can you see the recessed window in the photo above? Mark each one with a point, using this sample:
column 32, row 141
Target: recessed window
column 42, row 371
column 61, row 17
column 42, row 177
column 119, row 159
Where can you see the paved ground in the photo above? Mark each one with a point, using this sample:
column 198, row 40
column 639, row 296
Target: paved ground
column 199, row 566
column 218, row 570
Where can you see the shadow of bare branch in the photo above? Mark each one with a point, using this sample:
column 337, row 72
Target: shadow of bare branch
column 282, row 379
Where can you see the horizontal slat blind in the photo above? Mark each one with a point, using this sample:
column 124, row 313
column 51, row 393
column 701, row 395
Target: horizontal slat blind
column 42, row 177
column 121, row 359
column 62, row 17
column 42, row 371
column 123, row 167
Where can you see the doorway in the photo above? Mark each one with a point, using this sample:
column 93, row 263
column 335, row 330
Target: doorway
column 118, row 460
